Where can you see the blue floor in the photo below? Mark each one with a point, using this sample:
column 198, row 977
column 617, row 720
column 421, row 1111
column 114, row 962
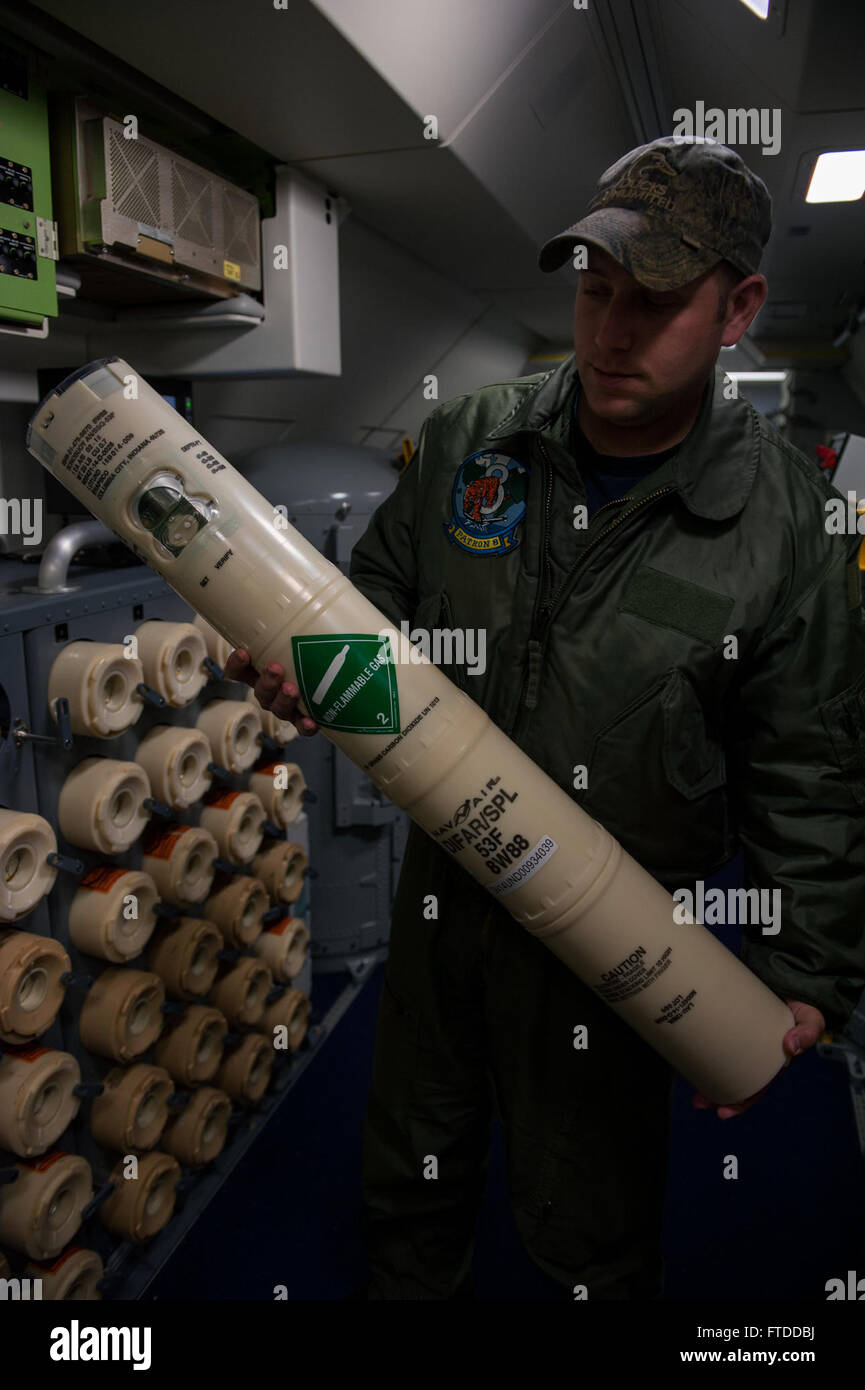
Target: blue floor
column 288, row 1215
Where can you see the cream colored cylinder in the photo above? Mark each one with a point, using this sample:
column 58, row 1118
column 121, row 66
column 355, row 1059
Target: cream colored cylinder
column 424, row 743
column 281, row 866
column 245, row 1070
column 172, row 655
column 199, row 1132
column 217, row 648
column 37, row 1098
column 190, row 1049
column 241, row 990
column 99, row 680
column 41, row 1210
column 282, row 731
column 121, row 1014
column 179, row 859
column 113, row 913
column 31, row 988
column 236, row 905
column 286, row 1020
column 101, row 805
column 235, row 821
column 132, row 1111
column 284, row 948
column 140, row 1206
column 72, row 1278
column 232, row 726
column 184, row 953
column 280, row 788
column 26, row 840
column 175, row 760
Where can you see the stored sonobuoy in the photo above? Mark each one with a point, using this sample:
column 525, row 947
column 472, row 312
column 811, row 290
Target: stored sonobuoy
column 426, row 744
column 26, row 840
column 100, row 680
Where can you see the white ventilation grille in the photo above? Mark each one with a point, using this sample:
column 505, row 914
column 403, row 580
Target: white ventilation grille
column 133, row 178
column 192, row 193
column 240, row 226
column 204, row 223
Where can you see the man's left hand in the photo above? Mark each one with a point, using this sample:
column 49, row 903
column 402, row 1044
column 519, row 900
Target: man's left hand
column 810, row 1023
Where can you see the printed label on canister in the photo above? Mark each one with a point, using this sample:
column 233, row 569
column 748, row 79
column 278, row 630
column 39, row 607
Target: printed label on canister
column 160, row 845
column 534, row 860
column 39, row 1165
column 26, row 1054
column 60, row 1261
column 221, row 799
column 634, row 973
column 279, row 927
column 347, row 681
column 101, row 879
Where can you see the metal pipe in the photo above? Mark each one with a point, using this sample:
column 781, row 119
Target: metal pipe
column 60, row 551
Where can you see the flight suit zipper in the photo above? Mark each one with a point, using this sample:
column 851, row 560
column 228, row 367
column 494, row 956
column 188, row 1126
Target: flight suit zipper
column 543, row 610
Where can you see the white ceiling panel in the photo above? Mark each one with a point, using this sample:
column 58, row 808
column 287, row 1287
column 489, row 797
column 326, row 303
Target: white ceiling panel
column 444, row 58
column 285, row 79
column 534, row 99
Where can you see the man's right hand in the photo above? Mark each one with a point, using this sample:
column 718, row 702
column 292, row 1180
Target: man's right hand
column 280, row 698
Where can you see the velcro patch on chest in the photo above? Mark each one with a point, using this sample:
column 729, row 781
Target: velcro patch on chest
column 669, row 601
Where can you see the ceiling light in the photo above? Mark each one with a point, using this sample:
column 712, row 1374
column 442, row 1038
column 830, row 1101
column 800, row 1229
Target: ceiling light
column 758, row 7
column 757, row 376
column 838, row 177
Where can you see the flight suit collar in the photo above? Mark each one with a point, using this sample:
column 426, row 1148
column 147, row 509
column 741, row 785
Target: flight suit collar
column 714, row 467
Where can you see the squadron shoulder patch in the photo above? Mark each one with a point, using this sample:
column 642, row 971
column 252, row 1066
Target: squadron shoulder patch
column 489, row 502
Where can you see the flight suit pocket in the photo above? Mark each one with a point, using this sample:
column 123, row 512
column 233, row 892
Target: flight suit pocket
column 844, row 720
column 625, row 783
column 426, row 615
column 693, row 757
column 434, row 614
column 657, row 781
column 452, row 669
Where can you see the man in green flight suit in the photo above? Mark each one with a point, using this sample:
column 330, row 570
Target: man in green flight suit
column 675, row 636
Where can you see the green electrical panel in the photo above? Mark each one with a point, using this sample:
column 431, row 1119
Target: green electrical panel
column 28, row 234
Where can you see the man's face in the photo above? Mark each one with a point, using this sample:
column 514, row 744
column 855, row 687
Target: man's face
column 641, row 352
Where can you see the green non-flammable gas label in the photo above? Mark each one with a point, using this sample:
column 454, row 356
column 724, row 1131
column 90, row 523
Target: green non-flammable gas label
column 348, row 681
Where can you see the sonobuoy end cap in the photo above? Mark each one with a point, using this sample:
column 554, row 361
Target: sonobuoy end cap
column 77, row 375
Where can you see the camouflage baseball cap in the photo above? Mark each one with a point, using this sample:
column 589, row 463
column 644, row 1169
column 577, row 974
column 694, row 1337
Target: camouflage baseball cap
column 671, row 210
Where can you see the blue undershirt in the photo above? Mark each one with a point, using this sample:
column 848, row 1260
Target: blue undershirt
column 607, row 476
